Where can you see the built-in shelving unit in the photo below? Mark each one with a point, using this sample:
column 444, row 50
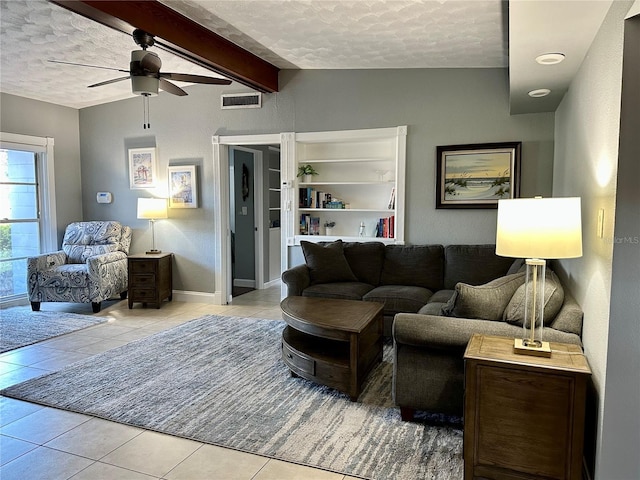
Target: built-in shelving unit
column 360, row 182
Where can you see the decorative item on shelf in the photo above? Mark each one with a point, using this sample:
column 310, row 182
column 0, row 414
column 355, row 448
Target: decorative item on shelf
column 328, row 227
column 306, row 172
column 537, row 229
column 152, row 209
column 361, row 230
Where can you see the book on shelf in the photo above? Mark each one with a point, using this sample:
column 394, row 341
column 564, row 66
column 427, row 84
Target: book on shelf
column 309, row 225
column 311, row 198
column 392, row 199
column 386, row 227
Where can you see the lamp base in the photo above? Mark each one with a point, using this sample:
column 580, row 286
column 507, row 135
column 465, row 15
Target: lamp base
column 543, row 350
column 153, row 251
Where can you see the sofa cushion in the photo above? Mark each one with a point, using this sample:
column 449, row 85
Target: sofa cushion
column 473, row 264
column 327, row 262
column 432, row 308
column 341, row 290
column 553, row 299
column 399, row 298
column 414, row 265
column 365, row 260
column 486, row 302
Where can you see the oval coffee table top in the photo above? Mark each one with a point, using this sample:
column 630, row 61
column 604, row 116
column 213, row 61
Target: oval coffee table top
column 328, row 317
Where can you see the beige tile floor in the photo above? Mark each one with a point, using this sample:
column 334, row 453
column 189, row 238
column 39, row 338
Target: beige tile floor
column 45, row 443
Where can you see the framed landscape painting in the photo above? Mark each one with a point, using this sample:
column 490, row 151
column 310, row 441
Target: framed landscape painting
column 478, row 175
column 183, row 187
column 142, row 168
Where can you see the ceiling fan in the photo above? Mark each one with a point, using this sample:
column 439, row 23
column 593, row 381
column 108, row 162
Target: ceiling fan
column 146, row 77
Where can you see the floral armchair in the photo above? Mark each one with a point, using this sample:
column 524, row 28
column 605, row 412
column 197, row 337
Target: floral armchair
column 91, row 267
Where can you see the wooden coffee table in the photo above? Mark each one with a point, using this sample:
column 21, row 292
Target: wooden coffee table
column 332, row 342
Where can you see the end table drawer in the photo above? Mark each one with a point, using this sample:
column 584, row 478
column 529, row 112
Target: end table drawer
column 143, row 294
column 142, row 266
column 297, row 361
column 143, row 280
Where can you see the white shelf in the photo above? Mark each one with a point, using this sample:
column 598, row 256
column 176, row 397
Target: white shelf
column 344, row 238
column 361, row 168
column 348, row 210
column 309, row 184
column 348, row 160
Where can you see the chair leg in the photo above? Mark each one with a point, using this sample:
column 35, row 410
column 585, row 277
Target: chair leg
column 95, row 306
column 35, row 306
column 123, row 295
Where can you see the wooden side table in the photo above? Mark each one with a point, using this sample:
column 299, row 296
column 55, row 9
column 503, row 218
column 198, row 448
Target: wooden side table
column 523, row 415
column 150, row 278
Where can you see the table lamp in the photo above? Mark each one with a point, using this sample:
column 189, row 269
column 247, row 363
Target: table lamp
column 537, row 229
column 152, row 209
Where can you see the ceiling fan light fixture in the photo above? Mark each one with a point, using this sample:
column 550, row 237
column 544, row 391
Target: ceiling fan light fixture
column 550, row 58
column 143, row 85
column 540, row 92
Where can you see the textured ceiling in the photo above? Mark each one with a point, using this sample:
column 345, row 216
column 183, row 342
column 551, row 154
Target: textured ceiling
column 360, row 34
column 308, row 34
column 290, row 34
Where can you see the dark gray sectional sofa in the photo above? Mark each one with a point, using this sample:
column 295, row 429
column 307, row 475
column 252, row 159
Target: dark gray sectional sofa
column 435, row 298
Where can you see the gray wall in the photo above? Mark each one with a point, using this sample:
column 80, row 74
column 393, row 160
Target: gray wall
column 441, row 107
column 590, row 164
column 41, row 119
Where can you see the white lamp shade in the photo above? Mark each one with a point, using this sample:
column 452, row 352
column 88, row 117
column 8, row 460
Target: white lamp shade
column 543, row 228
column 152, row 208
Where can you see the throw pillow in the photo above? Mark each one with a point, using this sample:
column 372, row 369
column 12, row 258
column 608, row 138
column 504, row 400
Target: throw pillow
column 553, row 300
column 485, row 302
column 327, row 263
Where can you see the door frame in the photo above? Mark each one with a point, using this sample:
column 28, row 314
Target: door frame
column 221, row 225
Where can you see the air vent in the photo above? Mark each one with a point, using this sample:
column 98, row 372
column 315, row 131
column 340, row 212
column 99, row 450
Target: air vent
column 240, row 100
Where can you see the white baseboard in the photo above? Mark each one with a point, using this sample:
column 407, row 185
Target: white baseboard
column 198, row 297
column 244, row 282
column 272, row 283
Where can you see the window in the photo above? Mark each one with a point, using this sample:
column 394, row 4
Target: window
column 27, row 222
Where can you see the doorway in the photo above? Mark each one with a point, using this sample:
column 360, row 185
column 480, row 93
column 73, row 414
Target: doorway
column 267, row 241
column 244, row 185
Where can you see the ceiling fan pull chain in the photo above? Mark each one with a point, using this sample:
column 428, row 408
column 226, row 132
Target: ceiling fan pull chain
column 145, row 106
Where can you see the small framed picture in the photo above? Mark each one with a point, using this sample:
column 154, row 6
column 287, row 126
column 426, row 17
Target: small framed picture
column 142, row 168
column 183, row 186
column 477, row 176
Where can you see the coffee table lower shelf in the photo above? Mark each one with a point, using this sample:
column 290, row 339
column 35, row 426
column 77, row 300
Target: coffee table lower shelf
column 326, row 361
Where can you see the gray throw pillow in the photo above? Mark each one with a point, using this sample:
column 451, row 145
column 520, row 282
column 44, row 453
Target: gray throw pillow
column 485, row 302
column 553, row 300
column 327, row 262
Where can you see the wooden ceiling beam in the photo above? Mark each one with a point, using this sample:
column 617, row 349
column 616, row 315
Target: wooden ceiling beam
column 182, row 36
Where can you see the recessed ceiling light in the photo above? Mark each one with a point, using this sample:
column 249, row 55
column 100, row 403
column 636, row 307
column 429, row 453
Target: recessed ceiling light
column 549, row 58
column 541, row 92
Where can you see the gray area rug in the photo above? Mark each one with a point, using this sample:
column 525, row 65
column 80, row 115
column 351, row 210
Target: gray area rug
column 220, row 380
column 19, row 326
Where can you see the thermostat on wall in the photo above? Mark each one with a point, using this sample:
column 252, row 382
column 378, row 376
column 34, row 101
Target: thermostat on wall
column 104, row 197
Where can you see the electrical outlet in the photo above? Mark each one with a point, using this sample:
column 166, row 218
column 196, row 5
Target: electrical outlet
column 600, row 227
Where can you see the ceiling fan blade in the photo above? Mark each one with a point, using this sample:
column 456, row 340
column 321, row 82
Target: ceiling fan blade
column 109, row 81
column 151, row 62
column 171, row 88
column 185, row 77
column 92, row 66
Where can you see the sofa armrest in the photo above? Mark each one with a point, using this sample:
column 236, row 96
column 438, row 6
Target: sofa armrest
column 451, row 332
column 296, row 279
